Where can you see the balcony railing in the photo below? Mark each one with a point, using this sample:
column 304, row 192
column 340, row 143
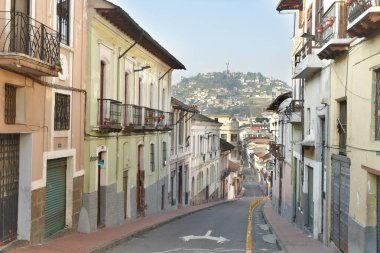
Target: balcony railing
column 109, row 117
column 277, row 150
column 23, row 35
column 303, row 52
column 333, row 25
column 142, row 118
column 363, row 17
column 132, row 115
column 358, row 7
column 296, row 106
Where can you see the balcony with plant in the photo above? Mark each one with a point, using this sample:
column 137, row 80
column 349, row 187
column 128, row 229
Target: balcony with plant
column 331, row 32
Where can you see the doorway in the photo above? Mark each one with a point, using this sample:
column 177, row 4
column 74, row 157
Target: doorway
column 101, row 197
column 125, row 187
column 180, row 187
column 140, row 198
column 20, row 21
column 310, row 203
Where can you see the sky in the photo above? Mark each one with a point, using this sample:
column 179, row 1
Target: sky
column 206, row 34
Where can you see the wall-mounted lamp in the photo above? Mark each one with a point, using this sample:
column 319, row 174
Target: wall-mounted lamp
column 142, row 68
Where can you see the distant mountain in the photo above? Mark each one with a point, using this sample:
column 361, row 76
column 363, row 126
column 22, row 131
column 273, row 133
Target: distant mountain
column 239, row 94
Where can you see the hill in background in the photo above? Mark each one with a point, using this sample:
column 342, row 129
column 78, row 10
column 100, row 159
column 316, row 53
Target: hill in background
column 238, row 94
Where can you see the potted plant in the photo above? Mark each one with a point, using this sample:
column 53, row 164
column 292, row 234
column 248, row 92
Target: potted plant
column 329, row 21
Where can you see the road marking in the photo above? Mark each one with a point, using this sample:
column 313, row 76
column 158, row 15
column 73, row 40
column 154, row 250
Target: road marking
column 252, row 207
column 181, row 250
column 207, row 236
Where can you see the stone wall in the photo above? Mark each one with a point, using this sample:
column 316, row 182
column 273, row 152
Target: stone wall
column 38, row 216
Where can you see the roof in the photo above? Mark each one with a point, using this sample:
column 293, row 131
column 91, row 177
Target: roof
column 258, row 140
column 201, row 117
column 289, row 5
column 260, row 154
column 232, row 166
column 177, row 104
column 268, row 156
column 225, row 146
column 278, row 100
column 119, row 18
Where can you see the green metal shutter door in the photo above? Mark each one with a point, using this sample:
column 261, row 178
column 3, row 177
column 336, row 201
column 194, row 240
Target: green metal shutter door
column 55, row 197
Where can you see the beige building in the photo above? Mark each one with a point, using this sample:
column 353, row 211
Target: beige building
column 128, row 119
column 42, row 90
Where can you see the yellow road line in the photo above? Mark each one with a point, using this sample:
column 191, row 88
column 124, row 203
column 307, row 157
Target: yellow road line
column 252, row 207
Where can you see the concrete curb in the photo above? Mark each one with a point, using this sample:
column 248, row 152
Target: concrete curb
column 125, row 238
column 280, row 244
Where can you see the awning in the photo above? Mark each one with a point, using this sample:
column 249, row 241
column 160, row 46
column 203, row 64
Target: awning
column 289, row 5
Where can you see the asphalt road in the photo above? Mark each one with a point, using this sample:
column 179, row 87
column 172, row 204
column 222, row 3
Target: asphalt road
column 222, row 228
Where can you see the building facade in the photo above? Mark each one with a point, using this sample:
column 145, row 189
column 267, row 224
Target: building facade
column 335, row 54
column 205, row 162
column 42, row 89
column 230, row 133
column 180, row 154
column 128, row 119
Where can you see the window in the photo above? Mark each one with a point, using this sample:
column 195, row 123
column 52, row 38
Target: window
column 180, row 129
column 62, row 112
column 63, row 20
column 308, row 121
column 164, row 153
column 377, row 106
column 10, row 104
column 152, row 157
column 223, row 136
column 342, row 127
column 126, row 76
column 151, row 95
column 233, row 137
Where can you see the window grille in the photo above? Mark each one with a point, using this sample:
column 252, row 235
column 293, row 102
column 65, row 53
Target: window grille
column 62, row 112
column 152, row 157
column 10, row 104
column 63, row 20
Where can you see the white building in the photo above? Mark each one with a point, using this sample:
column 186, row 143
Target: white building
column 205, row 162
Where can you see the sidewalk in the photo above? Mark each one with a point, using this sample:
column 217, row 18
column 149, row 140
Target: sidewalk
column 291, row 238
column 108, row 237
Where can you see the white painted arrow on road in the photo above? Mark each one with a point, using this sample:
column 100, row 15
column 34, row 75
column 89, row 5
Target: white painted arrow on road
column 207, row 236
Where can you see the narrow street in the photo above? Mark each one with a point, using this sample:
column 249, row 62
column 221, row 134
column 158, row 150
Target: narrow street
column 222, row 228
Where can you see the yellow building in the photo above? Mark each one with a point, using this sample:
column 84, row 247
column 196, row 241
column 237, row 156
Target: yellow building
column 128, row 119
column 354, row 127
column 42, row 94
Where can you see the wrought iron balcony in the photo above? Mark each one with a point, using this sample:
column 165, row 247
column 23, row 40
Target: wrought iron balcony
column 363, row 17
column 132, row 116
column 109, row 115
column 138, row 118
column 296, row 106
column 28, row 46
column 306, row 63
column 277, row 150
column 332, row 36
